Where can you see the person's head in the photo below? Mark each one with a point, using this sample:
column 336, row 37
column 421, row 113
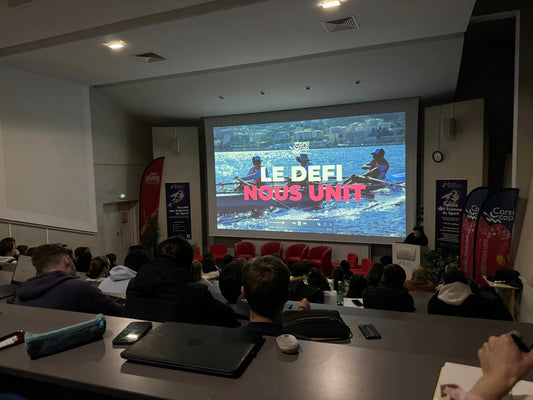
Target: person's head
column 316, row 278
column 80, row 250
column 374, row 276
column 99, row 267
column 8, row 247
column 136, row 259
column 112, row 257
column 196, row 270
column 178, row 250
column 418, row 272
column 378, row 153
column 227, row 259
column 338, row 276
column 417, row 231
column 385, row 260
column 31, row 251
column 139, row 247
column 345, row 265
column 22, row 248
column 357, row 285
column 51, row 257
column 303, row 159
column 209, row 263
column 230, row 280
column 256, row 161
column 393, row 276
column 265, row 284
column 83, row 261
column 297, row 269
column 454, row 275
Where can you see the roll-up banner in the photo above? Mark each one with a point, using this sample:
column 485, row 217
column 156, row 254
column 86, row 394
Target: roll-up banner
column 451, row 200
column 178, row 209
column 468, row 228
column 493, row 238
column 150, row 189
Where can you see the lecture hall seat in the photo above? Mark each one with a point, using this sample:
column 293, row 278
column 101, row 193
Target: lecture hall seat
column 197, row 255
column 244, row 250
column 366, row 264
column 296, row 253
column 321, row 255
column 271, row 248
column 219, row 251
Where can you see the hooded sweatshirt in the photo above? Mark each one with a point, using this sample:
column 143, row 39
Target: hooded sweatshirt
column 59, row 290
column 457, row 299
column 118, row 279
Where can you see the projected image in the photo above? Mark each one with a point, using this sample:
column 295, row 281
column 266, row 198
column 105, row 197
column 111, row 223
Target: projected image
column 335, row 176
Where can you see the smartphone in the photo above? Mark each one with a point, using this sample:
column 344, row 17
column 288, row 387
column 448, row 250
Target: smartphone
column 11, row 339
column 357, row 303
column 133, row 332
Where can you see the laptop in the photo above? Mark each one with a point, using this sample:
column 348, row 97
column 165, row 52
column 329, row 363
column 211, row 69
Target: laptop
column 205, row 349
column 23, row 270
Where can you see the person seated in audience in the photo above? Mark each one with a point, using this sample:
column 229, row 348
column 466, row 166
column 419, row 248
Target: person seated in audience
column 385, row 260
column 298, row 289
column 56, row 287
column 112, row 257
column 375, row 275
column 345, row 265
column 22, row 249
column 209, row 263
column 164, row 290
column 120, row 276
column 98, row 270
column 196, row 271
column 389, row 294
column 502, row 365
column 8, row 250
column 417, row 237
column 338, row 276
column 226, row 260
column 230, row 281
column 83, row 261
column 418, row 281
column 316, row 278
column 455, row 298
column 31, row 251
column 265, row 285
column 357, row 285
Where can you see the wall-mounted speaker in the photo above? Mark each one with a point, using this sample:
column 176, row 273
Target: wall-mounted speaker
column 448, row 128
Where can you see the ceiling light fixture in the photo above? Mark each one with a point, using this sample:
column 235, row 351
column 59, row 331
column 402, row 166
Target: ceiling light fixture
column 115, row 45
column 330, row 3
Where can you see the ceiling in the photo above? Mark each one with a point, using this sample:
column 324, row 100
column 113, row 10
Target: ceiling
column 234, row 56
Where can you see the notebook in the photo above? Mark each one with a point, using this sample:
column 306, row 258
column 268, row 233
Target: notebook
column 23, row 270
column 198, row 348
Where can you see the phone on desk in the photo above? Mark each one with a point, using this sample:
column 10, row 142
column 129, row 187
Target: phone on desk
column 357, row 303
column 133, row 332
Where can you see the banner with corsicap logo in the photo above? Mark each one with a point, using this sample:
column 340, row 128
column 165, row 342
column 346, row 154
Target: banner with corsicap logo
column 493, row 238
column 468, row 229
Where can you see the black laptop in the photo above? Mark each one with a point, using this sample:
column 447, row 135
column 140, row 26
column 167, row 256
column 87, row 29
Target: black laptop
column 198, row 348
column 23, row 270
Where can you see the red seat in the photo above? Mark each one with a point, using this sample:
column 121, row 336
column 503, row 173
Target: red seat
column 219, row 251
column 321, row 255
column 271, row 248
column 366, row 264
column 244, row 250
column 296, row 253
column 197, row 255
column 353, row 260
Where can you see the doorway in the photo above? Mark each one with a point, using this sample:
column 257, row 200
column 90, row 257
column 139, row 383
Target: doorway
column 120, row 228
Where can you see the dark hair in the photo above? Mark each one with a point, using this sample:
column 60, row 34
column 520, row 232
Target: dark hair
column 209, row 263
column 375, row 274
column 454, row 276
column 230, row 281
column 78, row 251
column 227, row 259
column 98, row 265
column 266, row 285
column 139, row 247
column 22, row 248
column 297, row 269
column 83, row 262
column 385, row 260
column 179, row 250
column 357, row 285
column 196, row 270
column 6, row 245
column 48, row 255
column 419, row 228
column 394, row 276
column 32, row 250
column 136, row 259
column 338, row 275
column 112, row 257
column 318, row 279
column 345, row 265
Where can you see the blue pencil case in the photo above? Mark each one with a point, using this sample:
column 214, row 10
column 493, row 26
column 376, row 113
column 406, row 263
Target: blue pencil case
column 44, row 344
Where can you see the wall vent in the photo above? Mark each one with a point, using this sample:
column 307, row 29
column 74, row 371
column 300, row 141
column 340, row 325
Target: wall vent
column 341, row 24
column 150, row 57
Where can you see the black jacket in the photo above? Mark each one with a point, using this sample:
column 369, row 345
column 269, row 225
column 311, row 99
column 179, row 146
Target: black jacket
column 475, row 306
column 164, row 291
column 382, row 297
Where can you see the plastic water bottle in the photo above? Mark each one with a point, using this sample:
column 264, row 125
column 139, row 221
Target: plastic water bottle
column 340, row 294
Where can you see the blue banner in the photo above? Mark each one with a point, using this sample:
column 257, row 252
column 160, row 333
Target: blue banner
column 178, row 210
column 450, row 202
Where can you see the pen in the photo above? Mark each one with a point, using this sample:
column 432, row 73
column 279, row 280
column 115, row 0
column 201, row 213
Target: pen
column 520, row 343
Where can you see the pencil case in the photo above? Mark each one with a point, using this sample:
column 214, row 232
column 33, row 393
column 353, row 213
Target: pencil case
column 44, row 344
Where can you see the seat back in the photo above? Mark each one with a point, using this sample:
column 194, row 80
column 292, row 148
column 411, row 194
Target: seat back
column 325, row 262
column 366, row 264
column 270, row 248
column 219, row 251
column 197, row 255
column 297, row 251
column 317, row 251
column 244, row 250
column 353, row 260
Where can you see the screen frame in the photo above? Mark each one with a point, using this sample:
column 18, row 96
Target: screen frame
column 408, row 105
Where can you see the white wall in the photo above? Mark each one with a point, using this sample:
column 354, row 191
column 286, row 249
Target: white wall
column 464, row 155
column 180, row 167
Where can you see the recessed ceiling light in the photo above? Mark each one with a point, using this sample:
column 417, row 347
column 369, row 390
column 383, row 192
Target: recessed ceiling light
column 116, row 44
column 330, row 3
